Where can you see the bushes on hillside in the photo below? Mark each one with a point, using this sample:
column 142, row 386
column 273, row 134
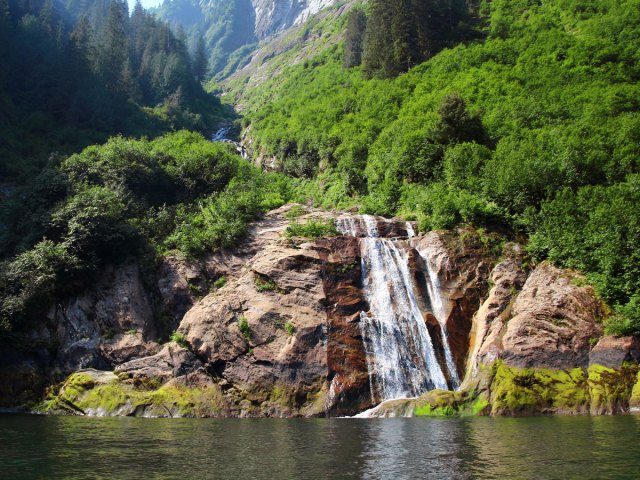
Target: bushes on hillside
column 125, row 198
column 533, row 130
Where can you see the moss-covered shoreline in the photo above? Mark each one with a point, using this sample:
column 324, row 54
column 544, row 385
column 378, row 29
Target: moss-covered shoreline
column 498, row 390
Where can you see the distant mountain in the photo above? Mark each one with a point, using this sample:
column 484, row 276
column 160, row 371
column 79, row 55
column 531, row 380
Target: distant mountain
column 231, row 28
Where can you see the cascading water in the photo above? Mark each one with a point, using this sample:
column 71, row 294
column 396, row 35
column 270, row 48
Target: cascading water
column 401, row 357
column 433, row 287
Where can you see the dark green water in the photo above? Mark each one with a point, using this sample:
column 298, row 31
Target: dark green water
column 530, row 448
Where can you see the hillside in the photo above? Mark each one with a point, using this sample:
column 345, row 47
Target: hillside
column 531, row 129
column 74, row 73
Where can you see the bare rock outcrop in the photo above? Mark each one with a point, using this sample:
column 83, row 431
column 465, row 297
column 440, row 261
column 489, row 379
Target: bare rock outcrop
column 613, row 352
column 547, row 321
column 107, row 325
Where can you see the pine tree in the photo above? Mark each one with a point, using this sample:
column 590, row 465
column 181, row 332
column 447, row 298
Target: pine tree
column 46, row 18
column 112, row 53
column 377, row 58
column 83, row 41
column 200, row 62
column 354, row 38
column 403, row 31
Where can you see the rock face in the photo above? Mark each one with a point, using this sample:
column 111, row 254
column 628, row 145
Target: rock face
column 273, row 16
column 274, row 327
column 613, row 352
column 108, row 325
column 549, row 323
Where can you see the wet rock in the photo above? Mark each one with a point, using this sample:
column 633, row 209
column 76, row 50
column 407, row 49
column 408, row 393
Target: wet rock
column 458, row 274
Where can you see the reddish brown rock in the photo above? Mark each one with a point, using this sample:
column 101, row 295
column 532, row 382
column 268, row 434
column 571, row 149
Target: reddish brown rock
column 485, row 338
column 460, row 270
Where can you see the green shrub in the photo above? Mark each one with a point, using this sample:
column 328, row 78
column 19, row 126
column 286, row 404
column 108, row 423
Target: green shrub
column 295, row 212
column 265, row 284
column 220, row 282
column 245, row 330
column 312, row 229
column 626, row 320
column 180, row 339
column 290, row 328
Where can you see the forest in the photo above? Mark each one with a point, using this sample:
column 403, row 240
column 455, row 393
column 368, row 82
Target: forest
column 73, row 76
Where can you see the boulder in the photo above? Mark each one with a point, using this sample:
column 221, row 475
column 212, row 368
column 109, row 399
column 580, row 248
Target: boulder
column 613, row 352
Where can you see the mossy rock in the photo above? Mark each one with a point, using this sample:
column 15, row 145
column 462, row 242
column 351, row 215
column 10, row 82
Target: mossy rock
column 442, row 403
column 634, row 401
column 611, row 390
column 528, row 391
column 104, row 394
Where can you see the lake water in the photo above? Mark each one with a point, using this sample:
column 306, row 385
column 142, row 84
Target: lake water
column 524, row 448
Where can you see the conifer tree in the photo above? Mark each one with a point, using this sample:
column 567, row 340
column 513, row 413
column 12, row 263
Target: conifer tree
column 354, row 39
column 82, row 40
column 378, row 56
column 112, row 53
column 200, row 62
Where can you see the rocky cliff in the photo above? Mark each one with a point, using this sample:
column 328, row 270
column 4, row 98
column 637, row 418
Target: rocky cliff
column 273, row 16
column 275, row 328
column 232, row 29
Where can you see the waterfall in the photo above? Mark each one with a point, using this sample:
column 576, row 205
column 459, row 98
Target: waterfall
column 401, row 358
column 433, row 287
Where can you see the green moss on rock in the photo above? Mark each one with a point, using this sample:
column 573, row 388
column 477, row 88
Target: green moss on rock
column 634, row 402
column 611, row 390
column 82, row 393
column 528, row 391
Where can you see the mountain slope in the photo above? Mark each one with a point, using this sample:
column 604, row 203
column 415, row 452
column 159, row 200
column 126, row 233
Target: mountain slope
column 235, row 26
column 532, row 130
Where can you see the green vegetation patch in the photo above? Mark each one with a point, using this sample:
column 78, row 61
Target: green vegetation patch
column 80, row 394
column 265, row 284
column 180, row 339
column 245, row 329
column 529, row 129
column 126, row 198
column 611, row 390
column 312, row 229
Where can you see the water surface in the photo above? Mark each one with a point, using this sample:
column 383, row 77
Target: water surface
column 112, row 448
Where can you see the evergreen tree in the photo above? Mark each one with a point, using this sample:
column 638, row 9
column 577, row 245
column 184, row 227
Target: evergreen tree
column 47, row 19
column 112, row 52
column 377, row 57
column 200, row 62
column 354, row 38
column 83, row 41
column 402, row 33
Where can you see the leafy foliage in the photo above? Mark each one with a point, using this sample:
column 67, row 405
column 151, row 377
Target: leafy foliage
column 530, row 127
column 312, row 229
column 127, row 197
column 72, row 76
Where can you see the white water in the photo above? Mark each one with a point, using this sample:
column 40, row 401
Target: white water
column 222, row 135
column 400, row 355
column 433, row 287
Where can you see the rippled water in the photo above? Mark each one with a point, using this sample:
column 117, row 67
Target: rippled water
column 530, row 448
